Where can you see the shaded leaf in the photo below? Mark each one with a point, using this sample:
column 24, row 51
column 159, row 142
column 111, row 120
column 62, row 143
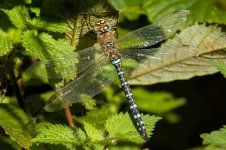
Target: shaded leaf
column 82, row 22
column 127, row 8
column 216, row 138
column 17, row 124
column 194, row 48
column 202, row 11
column 96, row 117
column 156, row 102
column 120, row 127
column 209, row 12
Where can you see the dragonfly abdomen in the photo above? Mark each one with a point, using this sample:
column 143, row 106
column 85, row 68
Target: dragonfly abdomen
column 129, row 96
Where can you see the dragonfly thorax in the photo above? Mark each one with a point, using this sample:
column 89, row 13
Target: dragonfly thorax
column 102, row 26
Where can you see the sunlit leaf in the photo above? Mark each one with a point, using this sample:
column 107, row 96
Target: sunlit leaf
column 45, row 48
column 59, row 134
column 18, row 16
column 217, row 138
column 94, row 134
column 5, row 43
column 120, row 127
column 194, row 48
column 48, row 24
column 221, row 67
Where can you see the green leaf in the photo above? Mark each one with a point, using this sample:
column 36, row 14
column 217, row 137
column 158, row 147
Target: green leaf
column 156, row 102
column 127, row 8
column 221, row 67
column 79, row 34
column 120, row 127
column 43, row 46
column 18, row 16
column 48, row 24
column 43, row 146
column 17, row 124
column 94, row 134
column 216, row 138
column 186, row 55
column 5, row 43
column 96, row 117
column 202, row 11
column 52, row 53
column 59, row 134
column 125, row 147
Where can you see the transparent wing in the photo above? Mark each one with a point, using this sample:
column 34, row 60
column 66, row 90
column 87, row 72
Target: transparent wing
column 146, row 58
column 154, row 33
column 66, row 65
column 91, row 82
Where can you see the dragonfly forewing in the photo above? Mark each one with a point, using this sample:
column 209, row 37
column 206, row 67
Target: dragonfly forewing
column 91, row 82
column 154, row 33
column 66, row 66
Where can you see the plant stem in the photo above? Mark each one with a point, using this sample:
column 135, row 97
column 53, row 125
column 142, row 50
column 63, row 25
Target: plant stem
column 17, row 91
column 68, row 114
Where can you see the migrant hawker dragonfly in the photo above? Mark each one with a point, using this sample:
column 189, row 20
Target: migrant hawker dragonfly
column 95, row 71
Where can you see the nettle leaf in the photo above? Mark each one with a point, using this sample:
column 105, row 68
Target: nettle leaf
column 48, row 24
column 5, row 43
column 52, row 54
column 120, row 127
column 94, row 134
column 127, row 8
column 202, row 11
column 216, row 138
column 81, row 33
column 59, row 134
column 156, row 102
column 43, row 46
column 190, row 54
column 18, row 16
column 96, row 117
column 221, row 67
column 17, row 124
column 209, row 12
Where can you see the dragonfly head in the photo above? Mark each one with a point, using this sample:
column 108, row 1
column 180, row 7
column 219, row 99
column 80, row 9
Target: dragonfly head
column 102, row 26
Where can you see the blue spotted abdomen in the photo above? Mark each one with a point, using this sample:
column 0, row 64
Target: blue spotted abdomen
column 133, row 107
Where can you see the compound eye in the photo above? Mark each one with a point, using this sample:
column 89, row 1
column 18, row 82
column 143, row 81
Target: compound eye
column 106, row 27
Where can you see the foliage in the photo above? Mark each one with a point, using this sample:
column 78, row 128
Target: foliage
column 71, row 138
column 45, row 32
column 215, row 138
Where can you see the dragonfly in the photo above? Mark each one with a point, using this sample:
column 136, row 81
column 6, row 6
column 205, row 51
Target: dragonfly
column 97, row 64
